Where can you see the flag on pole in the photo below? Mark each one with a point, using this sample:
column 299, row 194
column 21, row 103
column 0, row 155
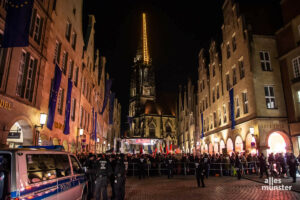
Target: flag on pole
column 111, row 107
column 17, row 23
column 68, row 108
column 106, row 94
column 232, row 108
column 202, row 129
column 53, row 97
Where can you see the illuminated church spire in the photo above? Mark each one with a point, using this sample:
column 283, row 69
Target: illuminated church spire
column 143, row 50
column 145, row 41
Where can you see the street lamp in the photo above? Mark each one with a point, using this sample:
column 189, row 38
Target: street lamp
column 43, row 119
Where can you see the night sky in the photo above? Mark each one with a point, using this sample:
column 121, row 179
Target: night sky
column 177, row 30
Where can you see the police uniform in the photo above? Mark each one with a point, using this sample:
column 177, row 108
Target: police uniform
column 119, row 174
column 103, row 173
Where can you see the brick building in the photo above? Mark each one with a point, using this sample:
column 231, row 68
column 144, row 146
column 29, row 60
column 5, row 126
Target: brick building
column 56, row 37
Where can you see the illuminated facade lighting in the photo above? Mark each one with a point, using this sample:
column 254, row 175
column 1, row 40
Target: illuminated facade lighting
column 145, row 41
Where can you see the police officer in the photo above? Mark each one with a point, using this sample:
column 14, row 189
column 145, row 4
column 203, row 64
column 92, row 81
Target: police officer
column 119, row 174
column 206, row 162
column 142, row 165
column 199, row 164
column 91, row 173
column 104, row 171
column 112, row 162
column 170, row 166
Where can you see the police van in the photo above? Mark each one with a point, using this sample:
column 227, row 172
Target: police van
column 41, row 173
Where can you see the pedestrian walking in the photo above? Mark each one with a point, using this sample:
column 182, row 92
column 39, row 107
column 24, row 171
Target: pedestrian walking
column 142, row 165
column 170, row 166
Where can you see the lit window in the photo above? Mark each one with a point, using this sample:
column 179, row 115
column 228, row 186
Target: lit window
column 298, row 95
column 76, row 76
column 270, row 97
column 65, row 62
column 37, row 28
column 296, row 66
column 73, row 110
column 265, row 60
column 218, row 92
column 70, row 72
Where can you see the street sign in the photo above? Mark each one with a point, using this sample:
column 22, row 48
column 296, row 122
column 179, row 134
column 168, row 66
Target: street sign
column 14, row 135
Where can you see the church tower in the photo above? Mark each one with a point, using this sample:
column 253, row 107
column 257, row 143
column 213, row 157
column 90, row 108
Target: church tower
column 142, row 85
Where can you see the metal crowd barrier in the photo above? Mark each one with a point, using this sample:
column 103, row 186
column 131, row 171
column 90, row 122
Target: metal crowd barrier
column 189, row 168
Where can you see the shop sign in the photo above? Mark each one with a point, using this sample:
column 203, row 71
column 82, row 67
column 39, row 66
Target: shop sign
column 5, row 104
column 14, row 135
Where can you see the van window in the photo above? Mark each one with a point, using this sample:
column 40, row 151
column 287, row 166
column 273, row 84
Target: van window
column 5, row 167
column 76, row 166
column 42, row 167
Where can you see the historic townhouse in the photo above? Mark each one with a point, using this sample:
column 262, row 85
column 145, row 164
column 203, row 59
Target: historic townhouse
column 60, row 61
column 239, row 87
column 288, row 40
column 187, row 121
column 22, row 72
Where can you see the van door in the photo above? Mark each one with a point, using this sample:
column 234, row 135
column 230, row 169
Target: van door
column 5, row 175
column 78, row 177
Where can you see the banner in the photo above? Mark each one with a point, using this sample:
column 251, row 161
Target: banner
column 106, row 94
column 149, row 149
column 111, row 107
column 17, row 23
column 232, row 108
column 95, row 125
column 68, row 108
column 53, row 97
column 202, row 130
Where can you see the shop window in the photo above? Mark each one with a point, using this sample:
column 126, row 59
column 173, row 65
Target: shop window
column 43, row 167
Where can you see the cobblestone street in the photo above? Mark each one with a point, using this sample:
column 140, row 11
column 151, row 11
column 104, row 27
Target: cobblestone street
column 186, row 188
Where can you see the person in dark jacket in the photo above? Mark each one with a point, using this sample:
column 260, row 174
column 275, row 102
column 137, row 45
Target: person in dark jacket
column 199, row 165
column 103, row 173
column 292, row 162
column 238, row 166
column 170, row 165
column 112, row 163
column 263, row 165
column 120, row 179
column 142, row 166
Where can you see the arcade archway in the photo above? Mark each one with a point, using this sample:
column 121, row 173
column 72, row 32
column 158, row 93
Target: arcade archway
column 276, row 143
column 210, row 149
column 20, row 134
column 222, row 146
column 238, row 144
column 229, row 146
column 216, row 148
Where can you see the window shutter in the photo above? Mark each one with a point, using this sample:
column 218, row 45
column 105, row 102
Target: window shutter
column 41, row 30
column 25, row 75
column 33, row 80
column 32, row 22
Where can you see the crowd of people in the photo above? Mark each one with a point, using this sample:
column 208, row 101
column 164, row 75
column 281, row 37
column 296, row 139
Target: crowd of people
column 104, row 169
